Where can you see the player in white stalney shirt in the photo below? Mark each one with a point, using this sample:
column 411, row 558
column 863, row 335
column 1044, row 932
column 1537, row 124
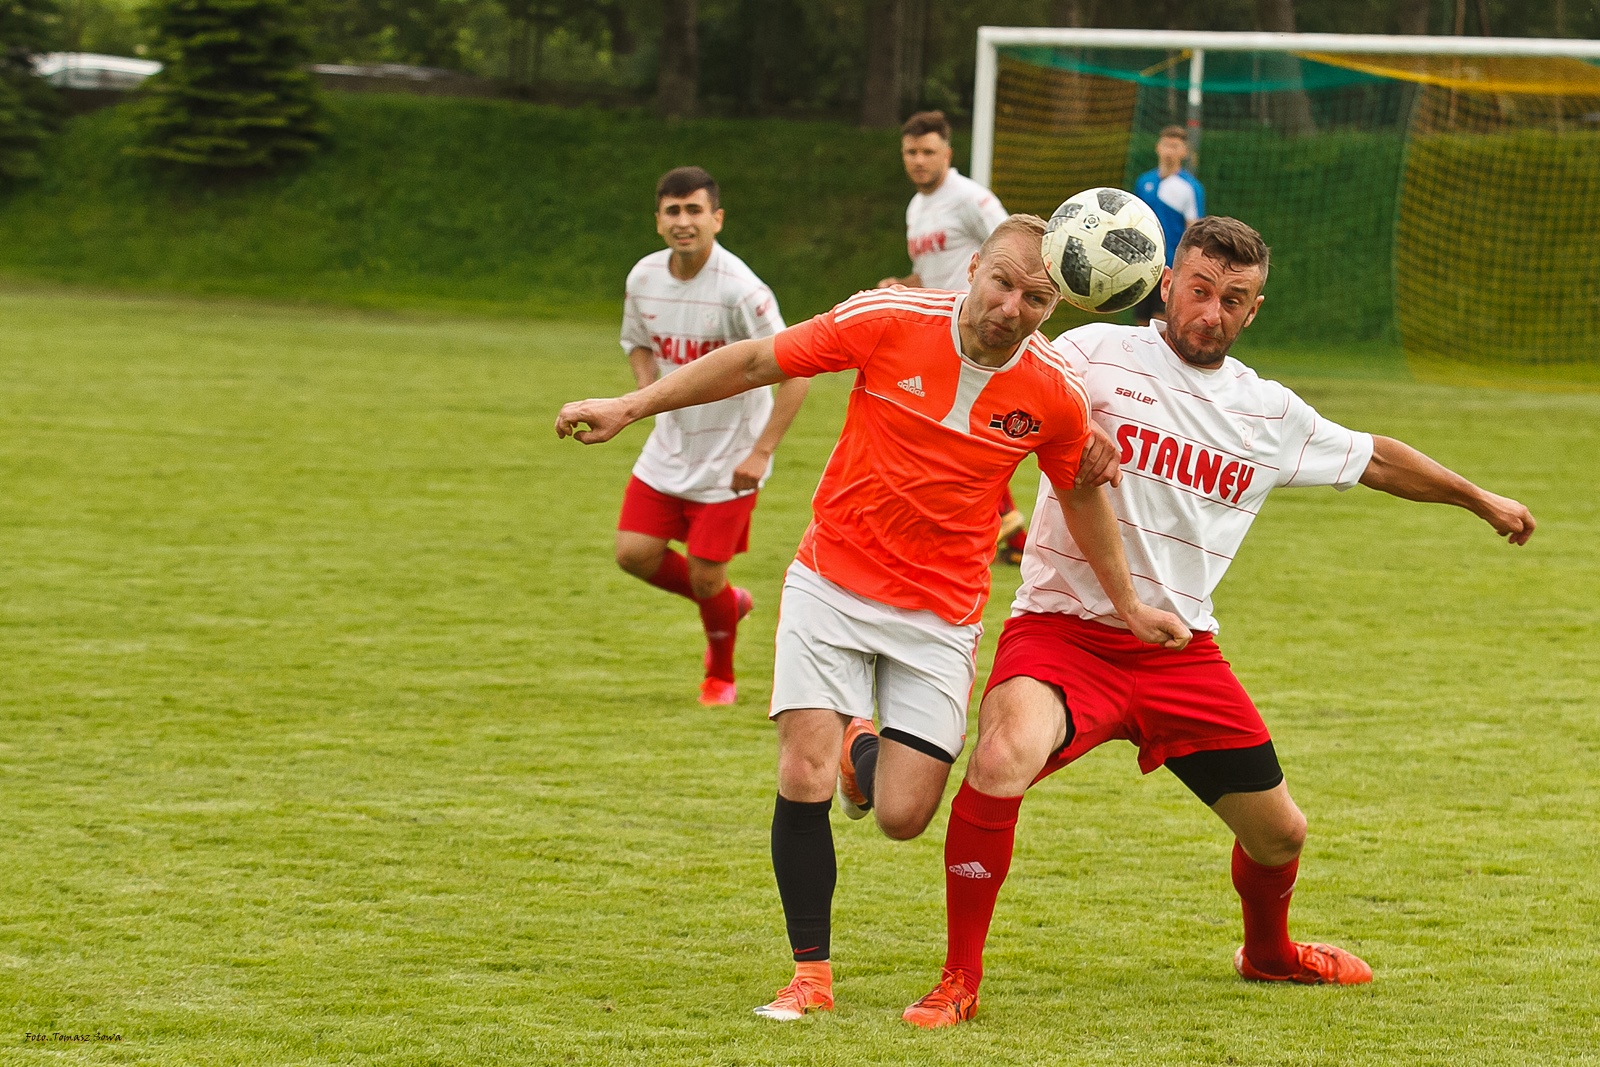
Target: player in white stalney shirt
column 698, row 476
column 1202, row 440
column 950, row 216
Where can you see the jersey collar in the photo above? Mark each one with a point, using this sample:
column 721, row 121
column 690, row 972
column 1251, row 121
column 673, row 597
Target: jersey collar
column 966, row 361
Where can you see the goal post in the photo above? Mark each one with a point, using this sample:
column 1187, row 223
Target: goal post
column 1443, row 192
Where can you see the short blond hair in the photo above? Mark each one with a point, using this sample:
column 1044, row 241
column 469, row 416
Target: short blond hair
column 1032, row 225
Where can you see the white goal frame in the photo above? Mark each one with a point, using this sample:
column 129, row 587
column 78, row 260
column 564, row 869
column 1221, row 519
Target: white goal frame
column 1198, row 42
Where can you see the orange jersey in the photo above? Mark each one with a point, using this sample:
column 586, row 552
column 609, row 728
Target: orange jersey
column 908, row 508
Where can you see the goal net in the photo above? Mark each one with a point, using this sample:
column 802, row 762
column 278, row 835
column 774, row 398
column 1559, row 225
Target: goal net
column 1450, row 202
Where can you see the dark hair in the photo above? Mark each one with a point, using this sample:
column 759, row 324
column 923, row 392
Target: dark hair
column 1235, row 243
column 1173, row 131
column 683, row 181
column 924, row 122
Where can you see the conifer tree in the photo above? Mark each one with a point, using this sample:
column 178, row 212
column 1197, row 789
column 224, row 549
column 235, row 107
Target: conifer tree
column 232, row 94
column 28, row 105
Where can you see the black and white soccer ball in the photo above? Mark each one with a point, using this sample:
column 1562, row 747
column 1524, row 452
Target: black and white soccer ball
column 1104, row 248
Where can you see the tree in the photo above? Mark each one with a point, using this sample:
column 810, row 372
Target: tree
column 1291, row 109
column 232, row 94
column 28, row 106
column 1414, row 16
column 880, row 96
column 678, row 82
column 532, row 22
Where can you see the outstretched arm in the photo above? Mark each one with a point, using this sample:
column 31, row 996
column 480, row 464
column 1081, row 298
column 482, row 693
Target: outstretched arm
column 1093, row 526
column 1400, row 470
column 785, row 406
column 728, row 371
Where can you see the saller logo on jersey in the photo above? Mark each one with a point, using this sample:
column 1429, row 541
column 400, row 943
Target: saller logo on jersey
column 1016, row 424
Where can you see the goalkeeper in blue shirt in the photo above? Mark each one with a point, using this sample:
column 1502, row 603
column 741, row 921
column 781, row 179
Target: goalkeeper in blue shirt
column 1176, row 197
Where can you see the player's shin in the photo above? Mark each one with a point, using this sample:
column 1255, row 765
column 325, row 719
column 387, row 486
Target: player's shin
column 977, row 856
column 806, row 869
column 1264, row 895
column 719, row 615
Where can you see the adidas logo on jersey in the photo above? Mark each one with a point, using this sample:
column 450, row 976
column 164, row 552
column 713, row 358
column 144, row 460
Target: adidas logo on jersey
column 974, row 869
column 912, row 385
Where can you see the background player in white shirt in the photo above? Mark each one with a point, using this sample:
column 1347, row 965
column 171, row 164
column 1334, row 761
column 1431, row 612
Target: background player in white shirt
column 950, row 216
column 947, row 221
column 1202, row 440
column 698, row 476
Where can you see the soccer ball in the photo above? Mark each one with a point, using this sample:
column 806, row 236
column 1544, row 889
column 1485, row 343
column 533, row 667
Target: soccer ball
column 1104, row 248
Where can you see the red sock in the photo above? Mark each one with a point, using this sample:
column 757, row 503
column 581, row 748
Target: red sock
column 1264, row 893
column 673, row 575
column 1018, row 541
column 720, row 616
column 977, row 857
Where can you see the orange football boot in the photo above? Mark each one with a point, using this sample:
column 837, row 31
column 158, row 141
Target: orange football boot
column 811, row 989
column 947, row 1005
column 852, row 801
column 1319, row 965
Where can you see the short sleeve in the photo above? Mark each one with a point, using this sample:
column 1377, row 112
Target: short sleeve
column 984, row 213
column 757, row 313
column 1060, row 456
column 1318, row 451
column 840, row 339
column 634, row 332
column 1071, row 347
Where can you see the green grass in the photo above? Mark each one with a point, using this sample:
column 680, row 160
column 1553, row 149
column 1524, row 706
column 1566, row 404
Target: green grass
column 330, row 734
column 484, row 205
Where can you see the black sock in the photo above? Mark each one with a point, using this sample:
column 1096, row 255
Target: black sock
column 803, row 860
column 864, row 754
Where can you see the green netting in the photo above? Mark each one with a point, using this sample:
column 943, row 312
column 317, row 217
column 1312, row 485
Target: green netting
column 1464, row 224
column 1225, row 72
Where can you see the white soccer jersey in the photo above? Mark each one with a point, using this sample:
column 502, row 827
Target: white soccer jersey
column 1200, row 451
column 692, row 452
column 944, row 228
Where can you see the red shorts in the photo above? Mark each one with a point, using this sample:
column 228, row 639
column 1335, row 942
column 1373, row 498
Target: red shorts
column 1117, row 687
column 715, row 532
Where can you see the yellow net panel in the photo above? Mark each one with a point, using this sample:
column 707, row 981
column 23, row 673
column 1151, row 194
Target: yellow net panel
column 1058, row 130
column 1498, row 221
column 1551, row 76
column 1450, row 204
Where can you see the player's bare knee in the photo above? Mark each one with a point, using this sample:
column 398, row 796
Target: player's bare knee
column 1278, row 841
column 1292, row 834
column 706, row 588
column 807, row 772
column 641, row 563
column 901, row 825
column 706, row 577
column 1006, row 760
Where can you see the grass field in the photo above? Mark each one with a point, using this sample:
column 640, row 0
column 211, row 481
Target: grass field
column 329, row 734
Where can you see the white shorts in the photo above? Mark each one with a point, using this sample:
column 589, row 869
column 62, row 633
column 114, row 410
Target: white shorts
column 842, row 651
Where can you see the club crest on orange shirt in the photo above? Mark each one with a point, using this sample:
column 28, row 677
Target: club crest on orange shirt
column 1014, row 424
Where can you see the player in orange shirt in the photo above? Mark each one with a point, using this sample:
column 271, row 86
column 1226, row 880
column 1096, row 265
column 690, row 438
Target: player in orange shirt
column 882, row 605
